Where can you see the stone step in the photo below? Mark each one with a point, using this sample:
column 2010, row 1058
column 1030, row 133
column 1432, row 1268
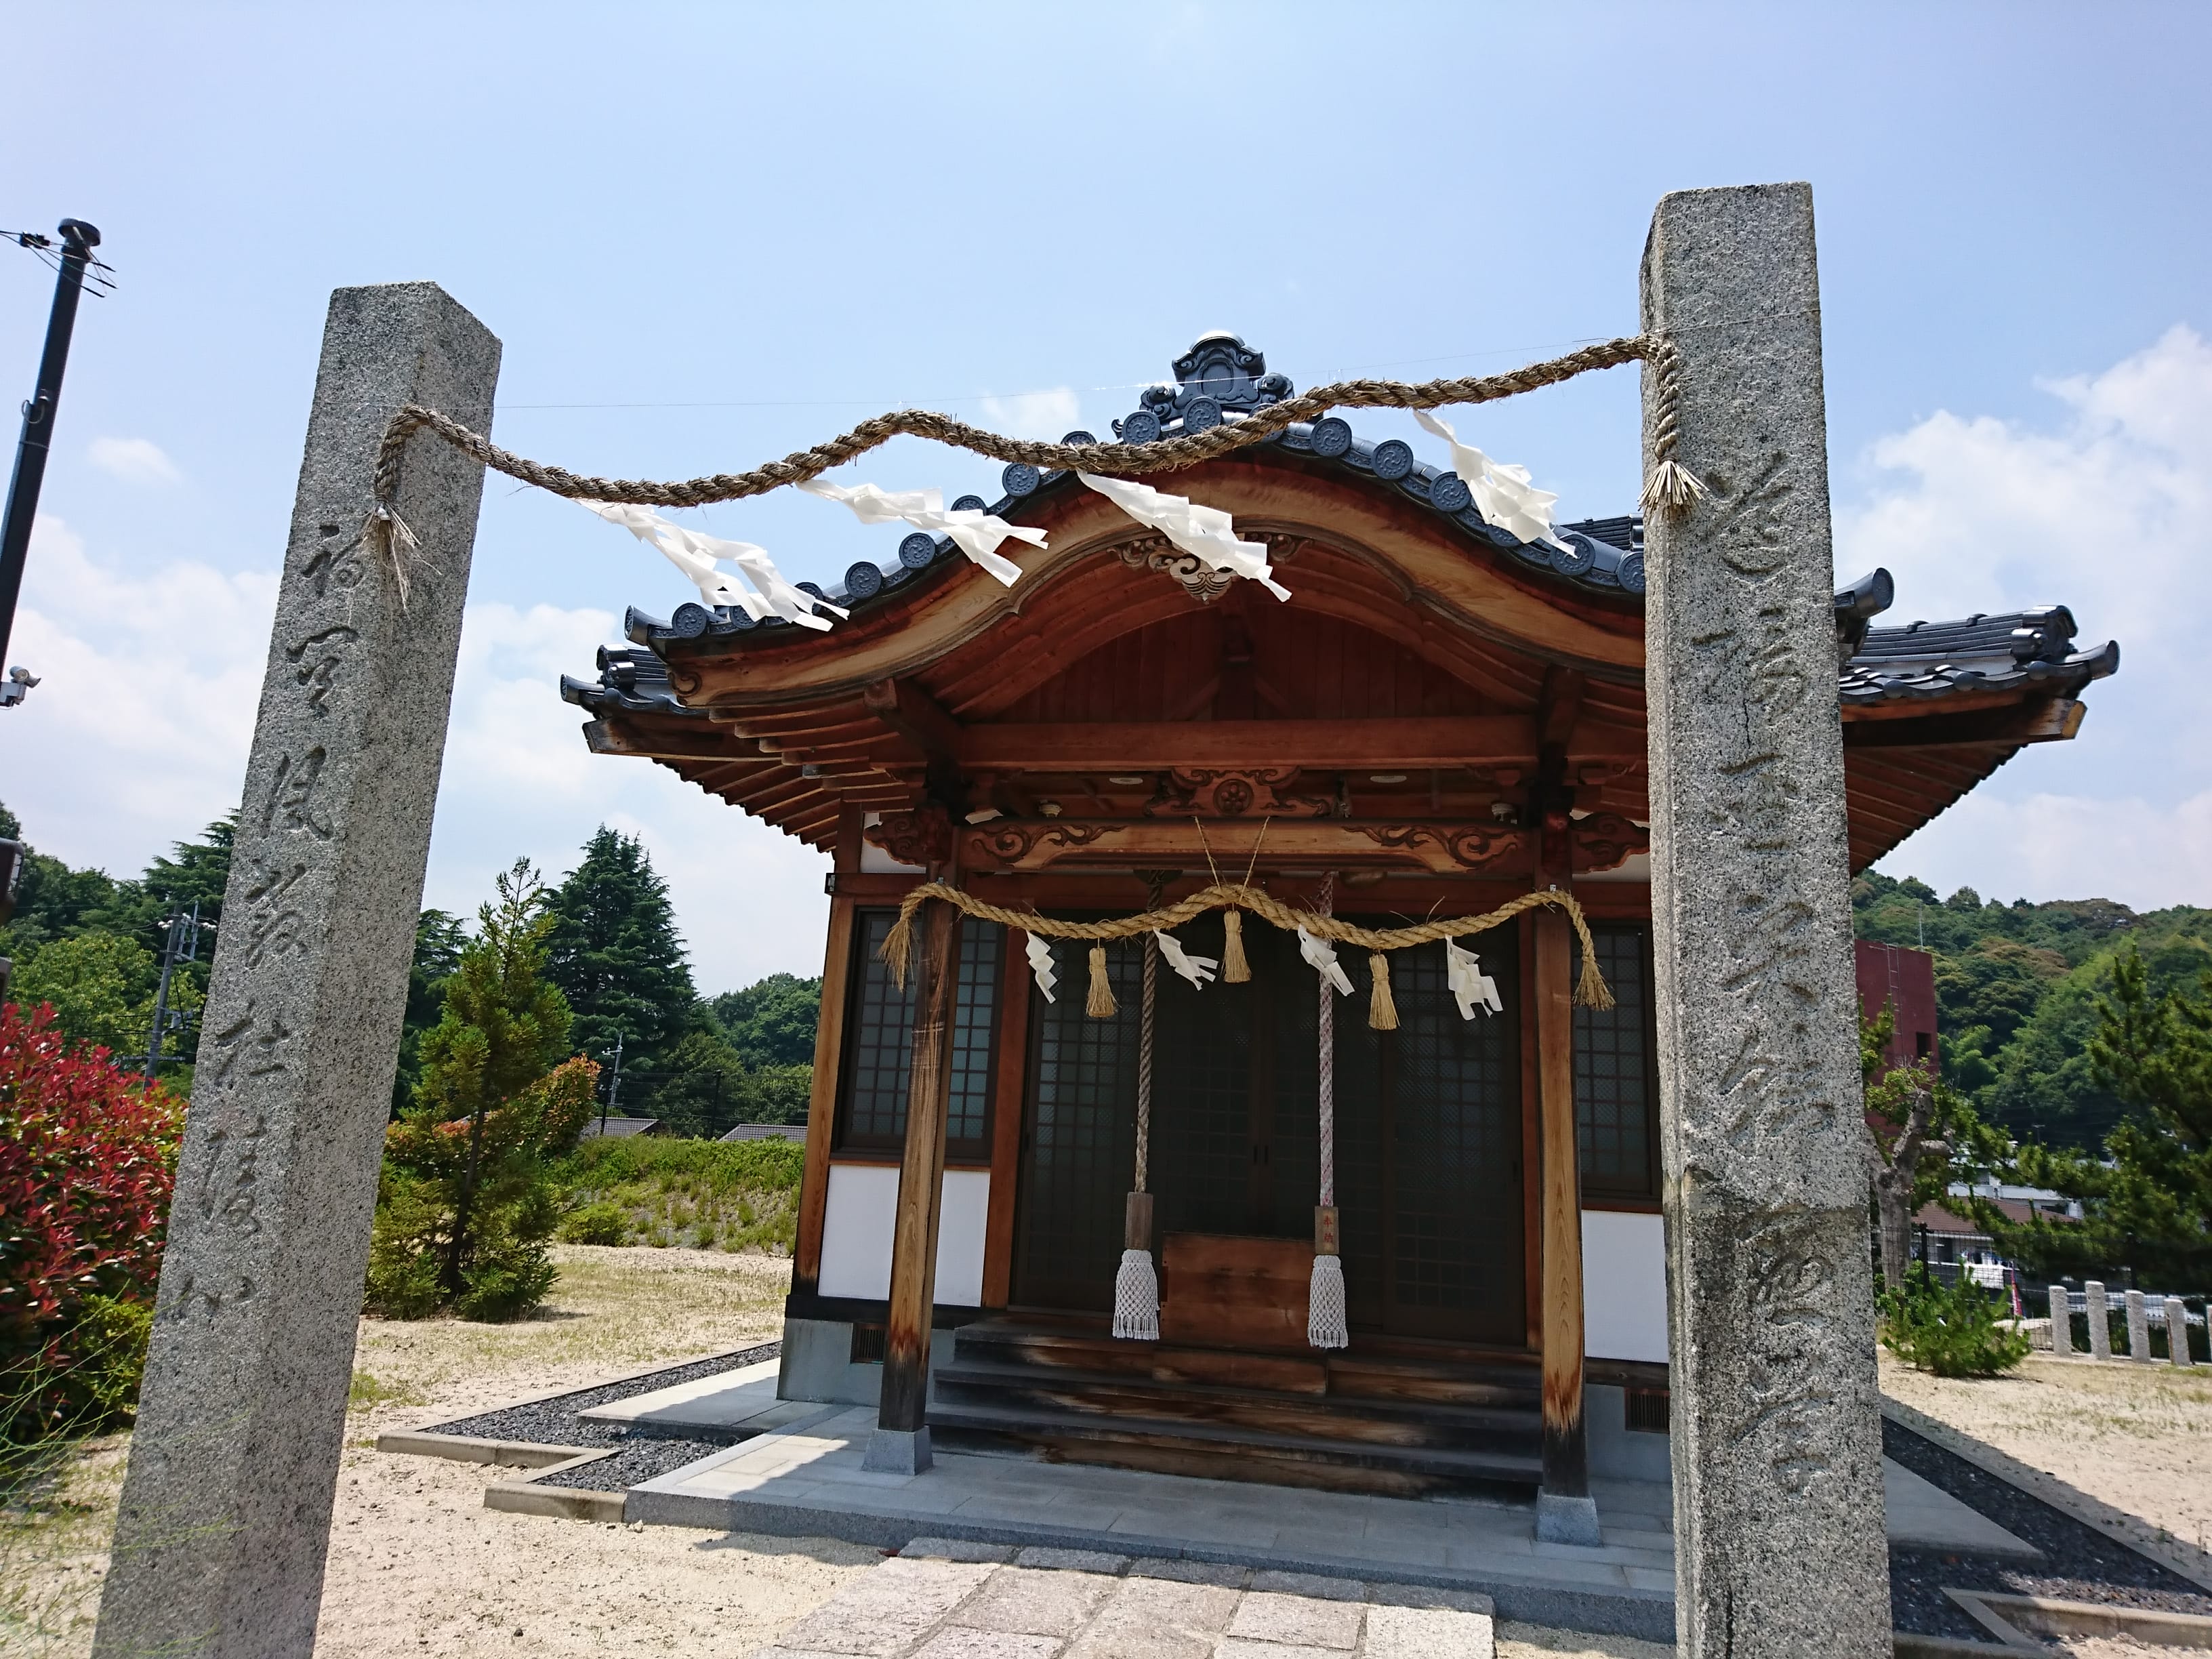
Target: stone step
column 1378, row 1421
column 1206, row 1451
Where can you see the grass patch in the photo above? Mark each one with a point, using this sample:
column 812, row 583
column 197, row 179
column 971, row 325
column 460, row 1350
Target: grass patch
column 368, row 1393
column 699, row 1194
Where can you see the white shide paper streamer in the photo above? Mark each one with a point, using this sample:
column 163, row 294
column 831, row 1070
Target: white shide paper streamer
column 1197, row 970
column 1470, row 986
column 1320, row 957
column 975, row 533
column 1503, row 493
column 1206, row 531
column 1040, row 955
column 764, row 593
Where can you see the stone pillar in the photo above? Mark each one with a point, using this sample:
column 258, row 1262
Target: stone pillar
column 2176, row 1332
column 1566, row 1512
column 2062, row 1322
column 2100, row 1320
column 899, row 1444
column 1777, row 1440
column 226, row 1508
column 2138, row 1328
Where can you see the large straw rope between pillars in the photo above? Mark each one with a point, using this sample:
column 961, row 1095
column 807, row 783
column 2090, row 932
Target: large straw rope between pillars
column 1590, row 989
column 1162, row 454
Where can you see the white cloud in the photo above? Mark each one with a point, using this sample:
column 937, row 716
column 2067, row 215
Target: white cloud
column 137, row 736
column 1046, row 416
column 135, row 460
column 519, row 781
column 2043, row 847
column 2108, row 510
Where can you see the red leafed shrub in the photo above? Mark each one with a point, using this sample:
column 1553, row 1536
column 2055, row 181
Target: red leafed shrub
column 87, row 1159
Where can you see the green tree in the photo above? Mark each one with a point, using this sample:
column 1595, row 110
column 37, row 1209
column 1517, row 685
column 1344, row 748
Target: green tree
column 2148, row 1202
column 1922, row 1135
column 772, row 1021
column 101, row 987
column 439, row 941
column 467, row 1202
column 616, row 956
column 51, row 900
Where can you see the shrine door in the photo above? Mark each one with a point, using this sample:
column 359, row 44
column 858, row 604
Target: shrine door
column 1428, row 1132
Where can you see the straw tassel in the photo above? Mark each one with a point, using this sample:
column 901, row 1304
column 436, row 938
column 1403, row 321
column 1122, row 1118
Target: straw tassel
column 1100, row 1004
column 1590, row 989
column 1235, row 970
column 1382, row 1011
column 1671, row 488
column 897, row 946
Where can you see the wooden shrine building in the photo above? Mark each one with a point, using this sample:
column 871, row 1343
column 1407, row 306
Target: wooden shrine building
column 1441, row 716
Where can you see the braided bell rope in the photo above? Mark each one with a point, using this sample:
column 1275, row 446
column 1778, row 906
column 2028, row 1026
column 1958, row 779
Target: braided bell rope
column 1145, row 1049
column 1590, row 988
column 1674, row 487
column 1327, row 1086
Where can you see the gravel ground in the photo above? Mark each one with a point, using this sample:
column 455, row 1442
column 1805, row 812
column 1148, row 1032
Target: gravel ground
column 641, row 1459
column 2081, row 1564
column 555, row 1422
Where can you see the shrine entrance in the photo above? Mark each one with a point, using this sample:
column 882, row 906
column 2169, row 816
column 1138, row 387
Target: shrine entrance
column 1429, row 1130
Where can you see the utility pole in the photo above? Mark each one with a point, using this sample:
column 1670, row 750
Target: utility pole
column 78, row 240
column 163, row 1020
column 614, row 1086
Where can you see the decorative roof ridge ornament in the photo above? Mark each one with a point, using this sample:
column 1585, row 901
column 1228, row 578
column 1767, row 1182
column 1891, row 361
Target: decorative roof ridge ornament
column 1218, row 378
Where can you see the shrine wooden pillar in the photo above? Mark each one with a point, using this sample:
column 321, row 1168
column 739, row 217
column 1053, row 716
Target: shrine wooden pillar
column 1566, row 1512
column 899, row 1444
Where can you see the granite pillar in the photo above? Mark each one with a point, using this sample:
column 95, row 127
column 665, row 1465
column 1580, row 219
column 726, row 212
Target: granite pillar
column 2176, row 1332
column 1776, row 1433
column 226, row 1508
column 2062, row 1322
column 2138, row 1328
column 2100, row 1320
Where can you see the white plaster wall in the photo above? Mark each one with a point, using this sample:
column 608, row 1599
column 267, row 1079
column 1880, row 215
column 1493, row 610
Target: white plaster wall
column 1624, row 1285
column 857, row 1224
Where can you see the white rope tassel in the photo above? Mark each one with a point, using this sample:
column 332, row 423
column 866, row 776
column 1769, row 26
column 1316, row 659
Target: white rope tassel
column 1470, row 986
column 765, row 592
column 1503, row 493
column 384, row 524
column 974, row 532
column 1041, row 968
column 1137, row 1298
column 1207, row 532
column 1325, row 1314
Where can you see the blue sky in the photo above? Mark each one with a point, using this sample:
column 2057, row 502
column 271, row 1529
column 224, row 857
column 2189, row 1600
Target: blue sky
column 711, row 234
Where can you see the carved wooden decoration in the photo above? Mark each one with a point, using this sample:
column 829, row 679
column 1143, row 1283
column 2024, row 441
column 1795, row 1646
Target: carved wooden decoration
column 923, row 837
column 1012, row 845
column 1257, row 793
column 1458, row 847
column 1605, row 841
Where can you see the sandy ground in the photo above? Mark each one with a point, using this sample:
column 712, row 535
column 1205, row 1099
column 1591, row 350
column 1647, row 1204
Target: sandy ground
column 2136, row 1438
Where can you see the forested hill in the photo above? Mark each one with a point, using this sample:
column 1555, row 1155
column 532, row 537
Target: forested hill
column 2017, row 985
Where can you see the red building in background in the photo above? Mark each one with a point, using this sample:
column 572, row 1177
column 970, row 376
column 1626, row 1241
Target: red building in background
column 1905, row 979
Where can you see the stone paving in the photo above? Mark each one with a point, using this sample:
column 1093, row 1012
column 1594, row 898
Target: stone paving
column 946, row 1599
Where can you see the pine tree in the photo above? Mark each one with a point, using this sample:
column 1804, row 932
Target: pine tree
column 617, row 958
column 466, row 1202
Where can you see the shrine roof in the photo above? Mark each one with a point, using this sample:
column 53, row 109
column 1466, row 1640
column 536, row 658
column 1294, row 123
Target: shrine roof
column 1218, row 380
column 1916, row 662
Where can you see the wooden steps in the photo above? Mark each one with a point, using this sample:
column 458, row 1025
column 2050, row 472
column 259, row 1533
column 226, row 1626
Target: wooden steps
column 1403, row 1425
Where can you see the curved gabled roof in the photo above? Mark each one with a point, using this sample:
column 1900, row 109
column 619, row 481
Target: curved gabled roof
column 1217, row 380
